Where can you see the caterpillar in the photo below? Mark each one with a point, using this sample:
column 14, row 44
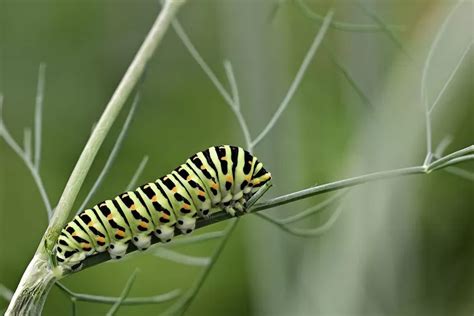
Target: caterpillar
column 220, row 178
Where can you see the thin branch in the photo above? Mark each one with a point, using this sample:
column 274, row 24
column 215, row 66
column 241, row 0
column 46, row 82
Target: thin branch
column 337, row 185
column 133, row 181
column 273, row 12
column 448, row 159
column 17, row 149
column 297, row 80
column 313, row 209
column 124, row 294
column 384, row 28
column 236, row 107
column 234, row 100
column 113, row 154
column 456, row 161
column 197, row 57
column 27, row 143
column 305, row 232
column 196, row 239
column 182, row 304
column 352, row 82
column 5, row 293
column 451, row 76
column 467, row 175
column 337, row 25
column 424, row 79
column 177, row 257
column 233, row 84
column 155, row 299
column 39, row 113
column 442, row 146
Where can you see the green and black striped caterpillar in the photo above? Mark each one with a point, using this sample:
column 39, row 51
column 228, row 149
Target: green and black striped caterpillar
column 218, row 178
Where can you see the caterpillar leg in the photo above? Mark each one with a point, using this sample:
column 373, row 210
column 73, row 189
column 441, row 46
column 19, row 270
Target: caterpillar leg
column 142, row 242
column 230, row 210
column 204, row 213
column 186, row 225
column 164, row 233
column 117, row 250
column 239, row 206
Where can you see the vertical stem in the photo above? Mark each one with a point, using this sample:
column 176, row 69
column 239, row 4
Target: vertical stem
column 29, row 298
column 38, row 278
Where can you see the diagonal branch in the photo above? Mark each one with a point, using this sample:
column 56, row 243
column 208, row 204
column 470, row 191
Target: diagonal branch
column 155, row 299
column 177, row 257
column 29, row 164
column 338, row 25
column 133, row 181
column 124, row 294
column 5, row 292
column 182, row 304
column 236, row 107
column 451, row 76
column 297, row 80
column 113, row 154
column 39, row 113
column 424, row 80
column 200, row 61
column 305, row 232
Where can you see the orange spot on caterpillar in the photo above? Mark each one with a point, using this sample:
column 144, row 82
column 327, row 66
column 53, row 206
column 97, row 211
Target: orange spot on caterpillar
column 154, row 198
column 201, row 193
column 189, row 178
column 120, row 233
column 224, row 158
column 186, row 206
column 110, row 216
column 144, row 225
column 100, row 239
column 214, row 185
column 174, row 189
column 133, row 207
column 165, row 216
column 229, row 178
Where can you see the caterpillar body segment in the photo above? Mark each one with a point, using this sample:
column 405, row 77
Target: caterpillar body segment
column 160, row 209
column 220, row 178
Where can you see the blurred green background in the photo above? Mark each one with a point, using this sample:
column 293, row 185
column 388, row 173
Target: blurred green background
column 401, row 247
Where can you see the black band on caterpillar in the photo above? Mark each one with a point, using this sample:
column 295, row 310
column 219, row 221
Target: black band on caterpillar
column 218, row 178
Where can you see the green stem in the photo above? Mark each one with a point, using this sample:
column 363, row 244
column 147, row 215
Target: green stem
column 38, row 278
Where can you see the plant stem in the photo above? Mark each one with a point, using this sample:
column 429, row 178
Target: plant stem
column 38, row 278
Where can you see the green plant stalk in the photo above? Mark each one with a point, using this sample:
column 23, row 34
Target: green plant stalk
column 38, row 278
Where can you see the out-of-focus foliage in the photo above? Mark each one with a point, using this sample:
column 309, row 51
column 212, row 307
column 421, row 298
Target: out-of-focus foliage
column 401, row 247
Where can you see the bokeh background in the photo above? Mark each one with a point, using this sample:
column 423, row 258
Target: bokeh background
column 400, row 247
